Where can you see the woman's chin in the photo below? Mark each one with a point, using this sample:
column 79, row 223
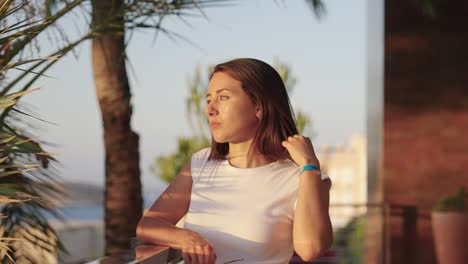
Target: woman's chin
column 220, row 139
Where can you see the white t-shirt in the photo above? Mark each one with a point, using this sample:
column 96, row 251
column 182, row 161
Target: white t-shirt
column 247, row 214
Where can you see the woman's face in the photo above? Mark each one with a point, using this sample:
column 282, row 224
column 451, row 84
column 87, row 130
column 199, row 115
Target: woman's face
column 230, row 111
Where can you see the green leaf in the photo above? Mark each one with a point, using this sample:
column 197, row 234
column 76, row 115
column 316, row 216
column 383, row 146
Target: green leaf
column 17, row 94
column 7, row 139
column 8, row 173
column 7, row 104
column 19, row 166
column 457, row 202
column 9, row 189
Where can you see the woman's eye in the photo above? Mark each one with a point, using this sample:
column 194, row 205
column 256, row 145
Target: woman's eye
column 208, row 101
column 223, row 97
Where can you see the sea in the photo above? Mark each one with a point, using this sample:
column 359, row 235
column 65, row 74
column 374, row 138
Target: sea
column 91, row 211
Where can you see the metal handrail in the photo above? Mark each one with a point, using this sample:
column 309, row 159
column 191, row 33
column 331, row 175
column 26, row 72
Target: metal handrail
column 141, row 254
column 409, row 214
column 147, row 253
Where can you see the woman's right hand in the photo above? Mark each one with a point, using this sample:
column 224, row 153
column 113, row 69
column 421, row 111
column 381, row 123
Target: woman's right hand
column 197, row 250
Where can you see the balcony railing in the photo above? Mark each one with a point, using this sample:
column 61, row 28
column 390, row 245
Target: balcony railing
column 142, row 254
column 155, row 254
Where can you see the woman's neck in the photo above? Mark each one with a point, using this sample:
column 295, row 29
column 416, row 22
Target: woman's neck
column 240, row 157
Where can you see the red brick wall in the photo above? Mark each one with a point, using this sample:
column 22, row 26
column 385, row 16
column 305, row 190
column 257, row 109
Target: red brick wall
column 426, row 110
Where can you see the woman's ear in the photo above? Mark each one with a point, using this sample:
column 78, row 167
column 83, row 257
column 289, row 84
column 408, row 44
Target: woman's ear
column 259, row 113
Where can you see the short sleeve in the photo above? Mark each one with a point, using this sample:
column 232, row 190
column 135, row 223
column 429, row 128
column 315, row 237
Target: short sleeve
column 198, row 161
column 324, row 177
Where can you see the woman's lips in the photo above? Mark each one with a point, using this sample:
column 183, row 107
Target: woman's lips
column 214, row 124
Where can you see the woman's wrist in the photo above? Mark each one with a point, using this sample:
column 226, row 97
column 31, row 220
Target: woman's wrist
column 313, row 162
column 310, row 167
column 188, row 237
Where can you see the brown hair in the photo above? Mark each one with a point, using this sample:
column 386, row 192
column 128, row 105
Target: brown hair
column 265, row 87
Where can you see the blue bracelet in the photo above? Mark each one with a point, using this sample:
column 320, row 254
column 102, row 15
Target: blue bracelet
column 310, row 167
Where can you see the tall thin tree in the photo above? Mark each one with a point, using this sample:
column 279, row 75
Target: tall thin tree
column 123, row 200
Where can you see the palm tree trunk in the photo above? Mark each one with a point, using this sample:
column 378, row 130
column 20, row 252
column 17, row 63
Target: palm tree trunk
column 123, row 201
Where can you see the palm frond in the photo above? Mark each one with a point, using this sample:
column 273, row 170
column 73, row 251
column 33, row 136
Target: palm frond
column 30, row 30
column 318, row 7
column 27, row 184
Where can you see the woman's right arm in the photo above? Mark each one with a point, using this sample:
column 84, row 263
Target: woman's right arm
column 157, row 226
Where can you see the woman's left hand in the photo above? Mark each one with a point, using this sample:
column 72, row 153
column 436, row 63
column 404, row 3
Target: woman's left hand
column 301, row 150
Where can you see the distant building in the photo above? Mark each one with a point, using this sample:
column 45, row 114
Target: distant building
column 347, row 168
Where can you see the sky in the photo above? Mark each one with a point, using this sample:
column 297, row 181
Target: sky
column 327, row 56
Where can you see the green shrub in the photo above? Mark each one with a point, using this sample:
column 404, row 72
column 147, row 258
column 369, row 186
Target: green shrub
column 349, row 241
column 456, row 203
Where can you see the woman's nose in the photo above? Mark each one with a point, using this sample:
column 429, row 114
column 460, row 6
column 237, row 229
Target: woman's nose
column 211, row 109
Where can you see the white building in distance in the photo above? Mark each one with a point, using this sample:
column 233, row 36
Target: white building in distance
column 347, row 168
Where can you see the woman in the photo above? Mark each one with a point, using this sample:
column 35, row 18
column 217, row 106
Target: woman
column 257, row 195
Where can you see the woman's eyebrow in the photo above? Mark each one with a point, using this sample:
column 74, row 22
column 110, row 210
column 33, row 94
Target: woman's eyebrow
column 222, row 89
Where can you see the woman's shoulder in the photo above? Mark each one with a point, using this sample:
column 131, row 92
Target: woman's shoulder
column 199, row 162
column 202, row 153
column 200, row 157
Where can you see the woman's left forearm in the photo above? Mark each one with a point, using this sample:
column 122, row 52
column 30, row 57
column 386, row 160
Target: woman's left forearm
column 312, row 229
